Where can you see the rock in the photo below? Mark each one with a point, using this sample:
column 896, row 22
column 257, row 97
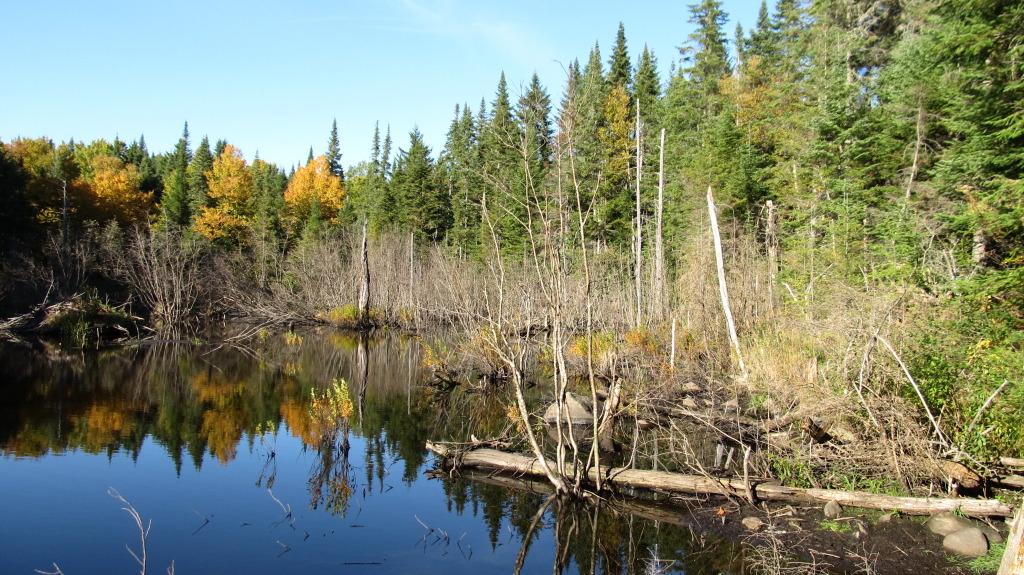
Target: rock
column 992, row 534
column 945, row 523
column 833, row 510
column 753, row 523
column 970, row 541
column 690, row 403
column 731, row 406
column 691, row 387
column 576, row 408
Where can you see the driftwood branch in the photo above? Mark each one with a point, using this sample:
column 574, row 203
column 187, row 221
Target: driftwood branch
column 696, row 484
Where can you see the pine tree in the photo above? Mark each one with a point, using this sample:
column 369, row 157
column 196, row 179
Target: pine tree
column 138, row 155
column 423, row 208
column 460, row 166
column 708, row 55
column 764, row 41
column 533, row 114
column 334, row 153
column 501, row 144
column 647, row 88
column 198, row 188
column 620, row 70
column 174, row 206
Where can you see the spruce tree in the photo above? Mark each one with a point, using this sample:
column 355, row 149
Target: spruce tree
column 534, row 115
column 334, row 153
column 198, row 188
column 501, row 144
column 708, row 55
column 647, row 88
column 422, row 207
column 174, row 207
column 620, row 70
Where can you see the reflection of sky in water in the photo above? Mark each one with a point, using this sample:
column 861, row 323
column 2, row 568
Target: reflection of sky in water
column 57, row 510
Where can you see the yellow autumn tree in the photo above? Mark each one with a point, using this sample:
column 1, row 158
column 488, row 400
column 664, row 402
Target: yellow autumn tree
column 231, row 194
column 617, row 135
column 315, row 179
column 116, row 191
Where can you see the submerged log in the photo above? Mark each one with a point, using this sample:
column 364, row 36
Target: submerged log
column 699, row 484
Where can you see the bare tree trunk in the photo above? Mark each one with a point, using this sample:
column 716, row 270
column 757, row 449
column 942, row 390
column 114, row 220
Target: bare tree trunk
column 722, row 287
column 771, row 239
column 639, row 224
column 364, row 290
column 659, row 245
column 915, row 166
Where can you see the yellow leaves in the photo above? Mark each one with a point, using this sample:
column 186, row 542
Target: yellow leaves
column 315, row 180
column 217, row 224
column 116, row 191
column 231, row 191
column 230, row 182
column 329, row 411
column 617, row 136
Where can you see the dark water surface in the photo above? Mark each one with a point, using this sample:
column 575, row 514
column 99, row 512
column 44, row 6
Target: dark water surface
column 216, row 448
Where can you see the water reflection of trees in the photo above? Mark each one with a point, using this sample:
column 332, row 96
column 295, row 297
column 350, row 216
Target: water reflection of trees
column 599, row 536
column 194, row 400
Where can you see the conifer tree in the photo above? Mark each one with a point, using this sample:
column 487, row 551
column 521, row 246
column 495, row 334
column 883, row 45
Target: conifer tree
column 334, row 153
column 647, row 88
column 708, row 55
column 423, row 208
column 533, row 113
column 461, row 166
column 138, row 155
column 501, row 144
column 174, row 208
column 198, row 188
column 620, row 70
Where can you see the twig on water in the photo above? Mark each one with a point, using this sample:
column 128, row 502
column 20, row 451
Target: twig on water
column 206, row 520
column 286, row 548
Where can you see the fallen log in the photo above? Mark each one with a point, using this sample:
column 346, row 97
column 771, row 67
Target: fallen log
column 1013, row 557
column 1010, row 481
column 699, row 484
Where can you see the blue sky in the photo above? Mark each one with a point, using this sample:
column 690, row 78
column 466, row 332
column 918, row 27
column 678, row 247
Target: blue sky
column 269, row 77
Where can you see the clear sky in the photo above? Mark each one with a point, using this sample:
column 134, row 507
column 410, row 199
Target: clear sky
column 270, row 77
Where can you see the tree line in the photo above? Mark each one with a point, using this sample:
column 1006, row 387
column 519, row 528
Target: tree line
column 870, row 145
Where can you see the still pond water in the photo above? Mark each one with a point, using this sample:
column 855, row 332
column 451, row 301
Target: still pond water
column 216, row 450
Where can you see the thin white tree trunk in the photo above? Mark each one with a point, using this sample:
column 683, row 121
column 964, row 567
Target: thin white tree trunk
column 659, row 245
column 722, row 287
